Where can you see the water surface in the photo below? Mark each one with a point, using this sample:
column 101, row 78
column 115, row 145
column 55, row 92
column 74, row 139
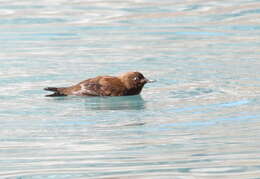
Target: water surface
column 200, row 120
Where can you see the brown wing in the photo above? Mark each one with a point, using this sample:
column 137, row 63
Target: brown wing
column 99, row 86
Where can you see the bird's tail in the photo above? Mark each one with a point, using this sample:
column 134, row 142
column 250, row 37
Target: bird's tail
column 57, row 91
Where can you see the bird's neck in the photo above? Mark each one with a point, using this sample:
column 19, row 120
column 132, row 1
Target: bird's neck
column 133, row 90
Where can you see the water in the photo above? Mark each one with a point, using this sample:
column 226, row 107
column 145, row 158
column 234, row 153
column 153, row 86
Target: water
column 200, row 119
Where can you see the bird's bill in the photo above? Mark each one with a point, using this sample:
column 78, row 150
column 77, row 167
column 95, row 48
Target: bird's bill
column 149, row 81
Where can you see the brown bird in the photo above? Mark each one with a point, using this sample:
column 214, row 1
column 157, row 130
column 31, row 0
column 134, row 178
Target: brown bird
column 130, row 83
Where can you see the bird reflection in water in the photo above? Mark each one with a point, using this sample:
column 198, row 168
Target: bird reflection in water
column 115, row 103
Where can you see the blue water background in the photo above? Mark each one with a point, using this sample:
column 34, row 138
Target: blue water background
column 201, row 119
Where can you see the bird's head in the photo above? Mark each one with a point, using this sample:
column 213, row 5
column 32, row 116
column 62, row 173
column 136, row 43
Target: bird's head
column 134, row 80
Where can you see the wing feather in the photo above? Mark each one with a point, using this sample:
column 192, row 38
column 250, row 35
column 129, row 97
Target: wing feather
column 100, row 86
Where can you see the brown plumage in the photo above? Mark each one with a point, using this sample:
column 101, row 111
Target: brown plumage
column 130, row 83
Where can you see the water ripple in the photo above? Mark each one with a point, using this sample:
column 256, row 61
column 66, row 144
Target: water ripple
column 199, row 120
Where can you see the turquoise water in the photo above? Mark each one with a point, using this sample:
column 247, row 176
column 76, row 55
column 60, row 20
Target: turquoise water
column 201, row 119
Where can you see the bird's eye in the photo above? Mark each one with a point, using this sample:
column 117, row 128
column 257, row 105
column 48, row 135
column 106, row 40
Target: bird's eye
column 135, row 78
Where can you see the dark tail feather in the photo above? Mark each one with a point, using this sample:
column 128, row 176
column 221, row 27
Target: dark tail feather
column 55, row 90
column 51, row 89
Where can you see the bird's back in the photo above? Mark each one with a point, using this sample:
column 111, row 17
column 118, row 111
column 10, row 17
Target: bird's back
column 98, row 86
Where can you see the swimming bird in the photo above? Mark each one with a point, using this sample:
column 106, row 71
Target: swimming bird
column 129, row 83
